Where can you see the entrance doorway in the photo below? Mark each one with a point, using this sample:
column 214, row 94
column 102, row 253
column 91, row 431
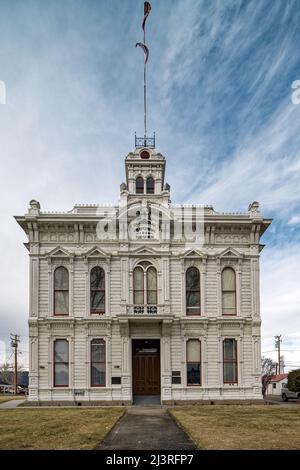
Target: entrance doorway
column 146, row 367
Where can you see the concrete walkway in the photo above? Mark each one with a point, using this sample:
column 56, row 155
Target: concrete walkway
column 11, row 404
column 147, row 428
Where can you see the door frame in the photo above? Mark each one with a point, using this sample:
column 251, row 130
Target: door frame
column 152, row 337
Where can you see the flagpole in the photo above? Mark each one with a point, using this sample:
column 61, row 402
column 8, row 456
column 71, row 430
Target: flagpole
column 145, row 94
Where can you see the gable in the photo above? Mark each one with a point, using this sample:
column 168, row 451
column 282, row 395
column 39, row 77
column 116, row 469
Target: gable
column 95, row 252
column 144, row 251
column 230, row 253
column 192, row 254
column 59, row 252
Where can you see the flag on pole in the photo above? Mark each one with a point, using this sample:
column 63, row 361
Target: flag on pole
column 145, row 49
column 147, row 9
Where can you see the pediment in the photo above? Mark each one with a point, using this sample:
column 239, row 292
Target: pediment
column 96, row 252
column 230, row 253
column 59, row 252
column 192, row 253
column 144, row 251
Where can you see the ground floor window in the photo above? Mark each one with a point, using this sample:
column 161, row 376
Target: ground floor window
column 230, row 361
column 61, row 363
column 193, row 366
column 98, row 363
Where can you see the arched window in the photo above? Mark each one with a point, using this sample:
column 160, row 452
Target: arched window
column 150, row 185
column 139, row 185
column 228, row 292
column 138, row 286
column 61, row 363
column 97, row 285
column 151, row 286
column 98, row 365
column 61, row 291
column 193, row 362
column 193, row 291
column 145, row 284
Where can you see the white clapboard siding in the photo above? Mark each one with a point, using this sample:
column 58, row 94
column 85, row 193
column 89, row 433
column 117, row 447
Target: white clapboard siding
column 115, row 286
column 176, row 288
column 43, row 288
column 248, row 359
column 116, row 349
column 211, row 289
column 81, row 365
column 213, row 357
column 44, row 358
column 79, row 289
column 176, row 349
column 246, row 301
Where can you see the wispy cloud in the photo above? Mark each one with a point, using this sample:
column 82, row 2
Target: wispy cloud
column 294, row 220
column 280, row 301
column 266, row 167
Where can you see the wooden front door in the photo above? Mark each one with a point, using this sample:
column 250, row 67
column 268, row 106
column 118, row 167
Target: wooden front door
column 146, row 367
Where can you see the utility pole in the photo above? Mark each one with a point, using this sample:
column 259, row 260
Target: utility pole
column 277, row 346
column 282, row 362
column 15, row 339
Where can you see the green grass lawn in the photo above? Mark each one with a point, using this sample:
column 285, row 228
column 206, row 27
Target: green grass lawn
column 56, row 428
column 3, row 398
column 241, row 426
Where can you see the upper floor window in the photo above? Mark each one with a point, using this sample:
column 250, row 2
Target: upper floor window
column 61, row 291
column 193, row 362
column 145, row 284
column 150, row 185
column 230, row 361
column 151, row 285
column 61, row 363
column 193, row 291
column 138, row 286
column 98, row 363
column 97, row 286
column 228, row 292
column 139, row 185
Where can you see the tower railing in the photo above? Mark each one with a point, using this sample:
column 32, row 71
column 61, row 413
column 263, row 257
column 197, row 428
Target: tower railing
column 141, row 142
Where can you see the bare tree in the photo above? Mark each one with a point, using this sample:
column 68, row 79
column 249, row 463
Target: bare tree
column 268, row 368
column 6, row 373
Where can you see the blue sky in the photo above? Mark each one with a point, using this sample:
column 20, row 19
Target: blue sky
column 219, row 99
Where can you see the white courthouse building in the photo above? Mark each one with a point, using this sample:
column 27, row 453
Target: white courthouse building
column 144, row 298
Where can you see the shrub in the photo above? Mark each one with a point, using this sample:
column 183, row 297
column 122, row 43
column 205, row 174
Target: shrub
column 294, row 380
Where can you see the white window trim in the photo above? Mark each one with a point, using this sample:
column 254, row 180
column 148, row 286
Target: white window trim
column 158, row 280
column 52, row 265
column 238, row 361
column 105, row 265
column 71, row 361
column 202, row 371
column 89, row 363
column 238, row 272
column 200, row 264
